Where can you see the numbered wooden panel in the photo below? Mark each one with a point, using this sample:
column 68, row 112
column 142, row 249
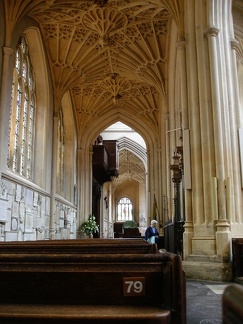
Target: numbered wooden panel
column 133, row 286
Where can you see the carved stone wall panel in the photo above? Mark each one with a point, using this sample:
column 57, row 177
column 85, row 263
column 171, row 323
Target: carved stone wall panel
column 61, row 219
column 9, row 193
column 35, row 199
column 3, row 192
column 2, row 230
column 29, row 197
column 18, row 193
column 22, row 213
column 57, row 218
column 65, row 224
column 15, row 209
column 46, row 225
column 3, row 210
column 26, row 213
column 14, row 224
column 8, row 222
column 40, row 223
column 47, row 204
column 29, row 221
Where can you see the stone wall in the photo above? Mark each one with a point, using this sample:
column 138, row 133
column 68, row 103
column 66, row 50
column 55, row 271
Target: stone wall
column 25, row 214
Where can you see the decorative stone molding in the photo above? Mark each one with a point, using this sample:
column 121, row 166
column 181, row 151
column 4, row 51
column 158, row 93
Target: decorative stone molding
column 211, row 31
column 181, row 45
column 116, row 86
column 8, row 51
column 166, row 116
column 104, row 21
column 235, row 45
column 115, row 32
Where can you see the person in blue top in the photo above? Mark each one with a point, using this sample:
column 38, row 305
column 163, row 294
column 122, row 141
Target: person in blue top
column 151, row 233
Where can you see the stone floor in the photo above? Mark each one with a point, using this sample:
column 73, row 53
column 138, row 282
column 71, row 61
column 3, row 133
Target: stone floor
column 204, row 301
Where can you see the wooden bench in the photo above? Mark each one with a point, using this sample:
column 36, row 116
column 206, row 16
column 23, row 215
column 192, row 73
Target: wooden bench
column 82, row 246
column 237, row 255
column 131, row 232
column 60, row 287
column 233, row 304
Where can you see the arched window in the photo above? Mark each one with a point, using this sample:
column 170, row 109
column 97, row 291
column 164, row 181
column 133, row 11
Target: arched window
column 22, row 114
column 124, row 209
column 60, row 153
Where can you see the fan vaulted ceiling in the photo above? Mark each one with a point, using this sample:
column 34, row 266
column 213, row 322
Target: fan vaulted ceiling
column 107, row 53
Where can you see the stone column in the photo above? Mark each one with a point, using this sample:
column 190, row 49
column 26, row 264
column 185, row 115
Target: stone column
column 188, row 227
column 222, row 226
column 234, row 103
column 167, row 165
column 84, row 171
column 53, row 178
column 212, row 33
column 195, row 135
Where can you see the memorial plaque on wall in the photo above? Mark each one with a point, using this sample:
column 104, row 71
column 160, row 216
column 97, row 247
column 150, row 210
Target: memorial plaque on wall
column 29, row 222
column 29, row 197
column 3, row 210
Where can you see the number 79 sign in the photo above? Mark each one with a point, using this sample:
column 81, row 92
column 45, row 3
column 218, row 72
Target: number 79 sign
column 133, row 286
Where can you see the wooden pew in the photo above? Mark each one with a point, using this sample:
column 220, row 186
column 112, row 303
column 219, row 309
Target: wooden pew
column 233, row 304
column 237, row 254
column 60, row 287
column 82, row 246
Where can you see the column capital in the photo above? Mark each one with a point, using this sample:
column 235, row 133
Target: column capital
column 234, row 44
column 8, row 51
column 180, row 45
column 211, row 31
column 166, row 116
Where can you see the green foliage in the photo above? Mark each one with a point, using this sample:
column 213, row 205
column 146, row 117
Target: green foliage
column 130, row 224
column 90, row 226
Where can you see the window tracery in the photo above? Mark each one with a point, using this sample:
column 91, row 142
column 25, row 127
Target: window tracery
column 124, row 209
column 23, row 103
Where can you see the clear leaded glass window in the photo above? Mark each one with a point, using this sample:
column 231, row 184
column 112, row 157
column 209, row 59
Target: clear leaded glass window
column 124, row 209
column 60, row 153
column 22, row 113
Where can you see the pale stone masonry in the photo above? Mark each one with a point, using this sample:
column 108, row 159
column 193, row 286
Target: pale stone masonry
column 172, row 72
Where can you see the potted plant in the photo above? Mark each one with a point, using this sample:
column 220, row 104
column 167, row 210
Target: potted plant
column 89, row 227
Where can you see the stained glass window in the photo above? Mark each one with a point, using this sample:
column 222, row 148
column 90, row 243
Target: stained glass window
column 23, row 103
column 124, row 209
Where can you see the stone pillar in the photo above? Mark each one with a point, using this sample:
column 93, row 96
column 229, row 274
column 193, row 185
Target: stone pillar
column 223, row 235
column 188, row 227
column 168, row 173
column 206, row 110
column 84, row 171
column 53, row 178
column 235, row 125
column 212, row 33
